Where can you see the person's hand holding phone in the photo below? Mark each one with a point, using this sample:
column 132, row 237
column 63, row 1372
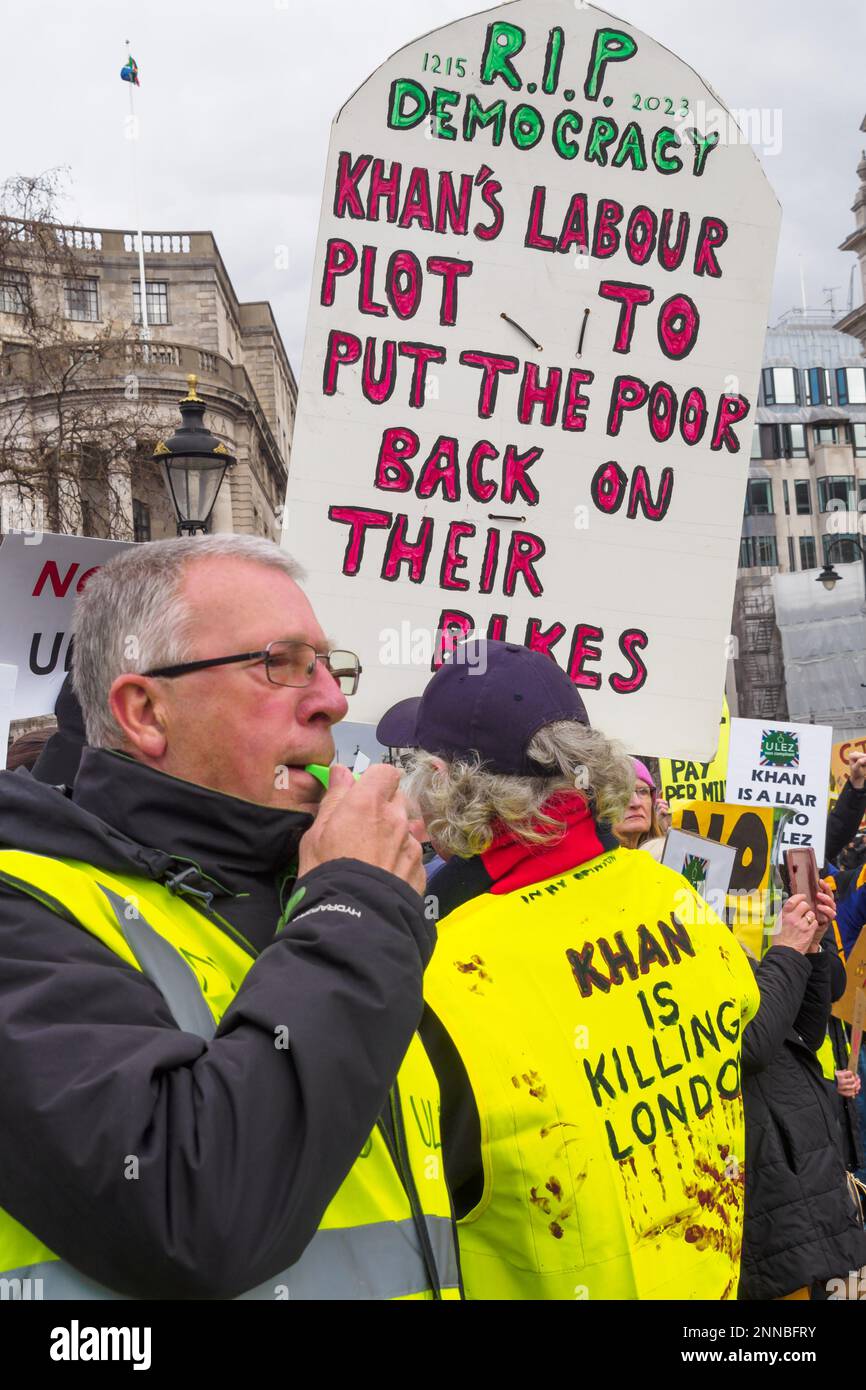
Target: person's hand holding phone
column 798, row 925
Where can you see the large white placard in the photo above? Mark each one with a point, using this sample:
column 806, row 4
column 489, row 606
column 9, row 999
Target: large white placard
column 8, row 677
column 538, row 307
column 39, row 582
column 786, row 767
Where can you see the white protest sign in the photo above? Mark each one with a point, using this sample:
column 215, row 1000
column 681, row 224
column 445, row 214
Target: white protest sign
column 8, row 677
column 538, row 307
column 39, row 584
column 707, row 864
column 786, row 767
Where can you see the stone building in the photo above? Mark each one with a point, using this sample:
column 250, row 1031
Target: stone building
column 196, row 324
column 806, row 495
column 807, row 481
column 855, row 320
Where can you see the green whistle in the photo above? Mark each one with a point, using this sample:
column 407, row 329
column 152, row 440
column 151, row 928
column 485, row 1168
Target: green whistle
column 323, row 774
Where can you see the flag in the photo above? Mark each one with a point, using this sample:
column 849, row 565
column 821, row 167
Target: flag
column 130, row 72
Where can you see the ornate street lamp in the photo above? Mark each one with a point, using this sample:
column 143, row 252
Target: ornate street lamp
column 195, row 462
column 828, row 576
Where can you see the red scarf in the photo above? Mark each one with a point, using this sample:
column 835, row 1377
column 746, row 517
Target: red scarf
column 512, row 864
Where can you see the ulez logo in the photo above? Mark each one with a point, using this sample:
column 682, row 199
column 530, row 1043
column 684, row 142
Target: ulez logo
column 779, row 749
column 694, row 871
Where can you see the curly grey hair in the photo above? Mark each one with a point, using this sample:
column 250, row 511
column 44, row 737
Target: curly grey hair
column 464, row 806
column 133, row 616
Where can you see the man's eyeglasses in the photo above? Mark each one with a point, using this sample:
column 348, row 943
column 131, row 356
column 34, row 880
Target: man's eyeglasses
column 286, row 663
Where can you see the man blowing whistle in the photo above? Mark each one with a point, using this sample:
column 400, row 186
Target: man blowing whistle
column 211, row 971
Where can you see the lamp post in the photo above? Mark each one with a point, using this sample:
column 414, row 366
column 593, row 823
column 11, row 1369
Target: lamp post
column 195, row 463
column 828, row 576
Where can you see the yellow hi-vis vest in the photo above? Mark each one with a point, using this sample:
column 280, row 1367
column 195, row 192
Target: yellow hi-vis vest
column 599, row 1017
column 387, row 1233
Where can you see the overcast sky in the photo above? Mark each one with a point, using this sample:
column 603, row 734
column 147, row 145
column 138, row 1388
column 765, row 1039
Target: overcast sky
column 237, row 97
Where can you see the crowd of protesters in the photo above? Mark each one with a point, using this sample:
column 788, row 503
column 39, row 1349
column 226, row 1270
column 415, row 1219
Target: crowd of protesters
column 541, row 1069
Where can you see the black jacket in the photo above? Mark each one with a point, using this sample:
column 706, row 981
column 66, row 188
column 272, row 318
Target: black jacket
column 241, row 1144
column 843, row 821
column 801, row 1225
column 59, row 759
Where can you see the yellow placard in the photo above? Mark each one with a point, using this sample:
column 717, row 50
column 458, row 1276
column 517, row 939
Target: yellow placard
column 749, row 830
column 855, row 969
column 839, row 762
column 687, row 781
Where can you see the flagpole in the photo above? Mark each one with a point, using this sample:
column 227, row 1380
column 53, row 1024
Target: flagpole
column 144, row 333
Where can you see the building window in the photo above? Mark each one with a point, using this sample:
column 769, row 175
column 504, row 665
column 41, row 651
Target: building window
column 859, row 435
column 758, row 550
column 759, row 497
column 766, row 550
column 756, row 441
column 830, row 434
column 157, row 301
column 803, row 497
column 835, row 494
column 140, row 520
column 14, row 291
column 82, row 300
column 818, row 386
column 851, row 385
column 845, row 549
column 790, row 441
column 808, row 559
column 796, row 441
column 785, row 497
column 792, row 564
column 781, row 386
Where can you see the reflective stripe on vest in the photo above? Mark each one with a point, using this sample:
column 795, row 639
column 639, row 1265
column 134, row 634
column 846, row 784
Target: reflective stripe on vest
column 381, row 1262
column 367, row 1245
column 166, row 968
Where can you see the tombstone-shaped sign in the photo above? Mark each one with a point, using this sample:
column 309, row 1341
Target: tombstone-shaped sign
column 538, row 307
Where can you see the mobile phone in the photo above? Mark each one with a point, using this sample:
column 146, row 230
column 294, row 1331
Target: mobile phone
column 802, row 871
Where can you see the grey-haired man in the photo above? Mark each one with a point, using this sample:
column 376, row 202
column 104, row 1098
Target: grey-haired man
column 206, row 994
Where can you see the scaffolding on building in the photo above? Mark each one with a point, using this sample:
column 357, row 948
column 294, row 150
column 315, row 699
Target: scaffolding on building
column 760, row 669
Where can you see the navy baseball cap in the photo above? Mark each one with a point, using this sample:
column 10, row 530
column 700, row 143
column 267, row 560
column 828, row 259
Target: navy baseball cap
column 490, row 699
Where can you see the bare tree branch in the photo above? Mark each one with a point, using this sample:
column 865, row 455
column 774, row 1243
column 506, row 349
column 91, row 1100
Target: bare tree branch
column 73, row 438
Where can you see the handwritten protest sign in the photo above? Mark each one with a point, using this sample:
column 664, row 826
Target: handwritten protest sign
column 39, row 584
column 684, row 780
column 855, row 969
column 839, row 762
column 749, row 830
column 538, row 307
column 786, row 767
column 706, row 864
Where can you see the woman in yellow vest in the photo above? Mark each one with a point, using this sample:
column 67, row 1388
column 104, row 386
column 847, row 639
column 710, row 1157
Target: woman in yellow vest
column 585, row 1008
